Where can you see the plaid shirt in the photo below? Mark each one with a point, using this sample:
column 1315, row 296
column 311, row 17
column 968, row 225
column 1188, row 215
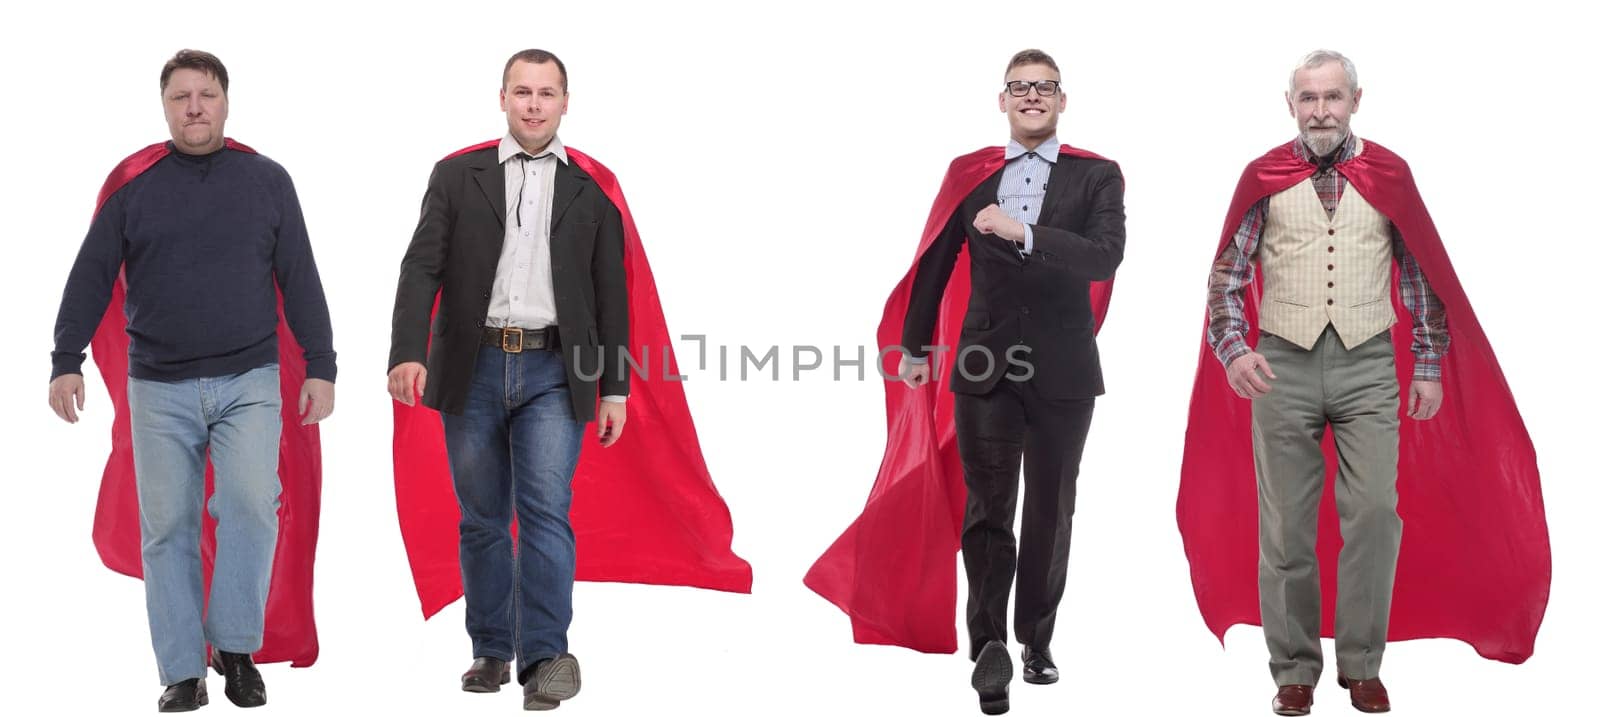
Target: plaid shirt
column 1235, row 268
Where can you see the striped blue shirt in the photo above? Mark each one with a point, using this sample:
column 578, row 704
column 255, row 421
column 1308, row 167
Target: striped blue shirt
column 1023, row 182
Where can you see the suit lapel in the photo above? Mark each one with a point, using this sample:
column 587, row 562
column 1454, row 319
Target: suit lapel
column 988, row 192
column 570, row 182
column 1054, row 188
column 491, row 179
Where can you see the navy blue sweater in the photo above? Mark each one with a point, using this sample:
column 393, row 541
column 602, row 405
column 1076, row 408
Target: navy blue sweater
column 202, row 237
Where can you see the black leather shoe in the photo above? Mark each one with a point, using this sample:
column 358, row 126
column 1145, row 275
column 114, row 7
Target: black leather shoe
column 486, row 674
column 243, row 684
column 1037, row 667
column 552, row 681
column 991, row 677
column 186, row 696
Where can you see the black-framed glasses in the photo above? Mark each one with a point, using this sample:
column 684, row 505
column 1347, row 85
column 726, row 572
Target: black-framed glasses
column 1046, row 88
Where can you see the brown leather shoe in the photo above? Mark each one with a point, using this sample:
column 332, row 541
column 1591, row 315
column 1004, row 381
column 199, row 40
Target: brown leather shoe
column 1292, row 700
column 1366, row 695
column 486, row 674
column 552, row 681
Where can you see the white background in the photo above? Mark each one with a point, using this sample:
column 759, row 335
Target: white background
column 780, row 163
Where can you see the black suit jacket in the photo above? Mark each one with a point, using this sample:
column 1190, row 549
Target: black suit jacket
column 1038, row 304
column 454, row 253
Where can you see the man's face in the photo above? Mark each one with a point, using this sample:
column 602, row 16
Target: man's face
column 1322, row 103
column 1033, row 117
column 534, row 103
column 196, row 109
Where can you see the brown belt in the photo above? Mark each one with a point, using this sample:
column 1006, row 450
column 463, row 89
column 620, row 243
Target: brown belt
column 515, row 341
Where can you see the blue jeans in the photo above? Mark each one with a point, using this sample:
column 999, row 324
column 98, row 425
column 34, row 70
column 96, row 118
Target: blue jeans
column 516, row 443
column 238, row 418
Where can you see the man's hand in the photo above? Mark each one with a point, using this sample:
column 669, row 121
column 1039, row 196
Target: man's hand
column 993, row 220
column 316, row 401
column 1243, row 375
column 406, row 382
column 609, row 420
column 915, row 374
column 1425, row 399
column 66, row 396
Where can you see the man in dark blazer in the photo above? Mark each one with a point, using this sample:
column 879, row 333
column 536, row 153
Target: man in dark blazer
column 1027, row 371
column 526, row 256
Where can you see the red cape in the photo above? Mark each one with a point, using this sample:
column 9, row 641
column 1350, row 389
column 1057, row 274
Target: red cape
column 1475, row 558
column 894, row 570
column 291, row 629
column 643, row 511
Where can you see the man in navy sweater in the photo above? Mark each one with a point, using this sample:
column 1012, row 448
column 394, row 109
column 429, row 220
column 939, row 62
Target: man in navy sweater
column 204, row 235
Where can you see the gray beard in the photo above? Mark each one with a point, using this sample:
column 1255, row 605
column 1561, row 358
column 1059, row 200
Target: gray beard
column 1321, row 145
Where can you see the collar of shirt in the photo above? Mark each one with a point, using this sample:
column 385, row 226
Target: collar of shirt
column 509, row 148
column 1346, row 151
column 1047, row 150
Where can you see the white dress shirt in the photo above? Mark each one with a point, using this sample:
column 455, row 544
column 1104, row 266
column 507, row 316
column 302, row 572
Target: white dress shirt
column 524, row 293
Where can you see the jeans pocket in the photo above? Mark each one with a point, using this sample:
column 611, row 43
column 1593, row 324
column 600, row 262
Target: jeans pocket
column 265, row 384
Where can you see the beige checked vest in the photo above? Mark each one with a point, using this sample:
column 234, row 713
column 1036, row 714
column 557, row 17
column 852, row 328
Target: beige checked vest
column 1316, row 271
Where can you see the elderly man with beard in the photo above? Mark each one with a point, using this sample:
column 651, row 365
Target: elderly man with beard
column 1325, row 357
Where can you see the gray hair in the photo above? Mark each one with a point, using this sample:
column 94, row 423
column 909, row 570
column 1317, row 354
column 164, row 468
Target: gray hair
column 1319, row 58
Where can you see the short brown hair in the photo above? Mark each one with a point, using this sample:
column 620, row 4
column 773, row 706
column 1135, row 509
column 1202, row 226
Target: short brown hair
column 536, row 57
column 195, row 60
column 1032, row 57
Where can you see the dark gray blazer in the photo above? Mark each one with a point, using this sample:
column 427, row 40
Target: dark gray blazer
column 454, row 254
column 1040, row 302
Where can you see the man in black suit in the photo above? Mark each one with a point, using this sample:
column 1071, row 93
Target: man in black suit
column 1027, row 371
column 526, row 256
